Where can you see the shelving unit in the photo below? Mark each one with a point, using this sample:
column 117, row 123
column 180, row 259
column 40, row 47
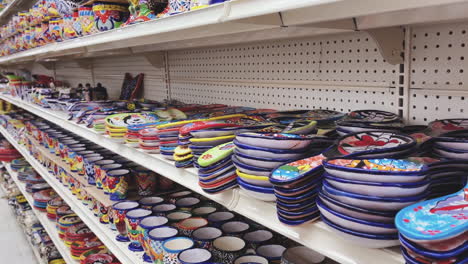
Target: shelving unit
column 107, row 236
column 315, row 235
column 48, row 225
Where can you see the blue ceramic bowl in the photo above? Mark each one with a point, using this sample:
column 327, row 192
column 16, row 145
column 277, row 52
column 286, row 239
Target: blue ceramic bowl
column 433, row 254
column 254, row 188
column 267, row 163
column 269, row 152
column 316, row 182
column 252, row 170
column 301, row 221
column 297, row 215
column 297, row 199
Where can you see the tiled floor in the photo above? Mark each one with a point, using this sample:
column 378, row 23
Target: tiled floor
column 14, row 248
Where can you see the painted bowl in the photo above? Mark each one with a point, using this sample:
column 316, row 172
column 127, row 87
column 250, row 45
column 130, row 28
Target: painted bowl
column 280, row 141
column 271, row 252
column 295, row 215
column 251, row 259
column 297, row 171
column 377, row 170
column 269, row 152
column 235, row 228
column 372, row 202
column 254, row 179
column 259, row 192
column 268, row 163
column 249, row 169
column 218, row 218
column 301, row 255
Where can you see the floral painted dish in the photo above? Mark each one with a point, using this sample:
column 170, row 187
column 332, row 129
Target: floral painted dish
column 355, row 224
column 377, row 170
column 442, row 126
column 250, row 169
column 280, row 140
column 371, row 202
column 297, row 170
column 269, row 152
column 128, row 119
column 216, row 154
column 373, row 143
column 204, row 125
column 269, row 163
column 451, row 153
column 211, row 141
column 254, row 179
column 435, row 220
column 361, row 238
column 215, row 166
column 434, row 254
column 373, row 116
column 258, row 192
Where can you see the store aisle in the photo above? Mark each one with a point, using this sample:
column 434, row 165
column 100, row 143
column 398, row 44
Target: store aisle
column 14, row 248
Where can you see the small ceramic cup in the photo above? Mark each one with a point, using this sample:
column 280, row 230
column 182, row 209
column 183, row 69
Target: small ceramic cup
column 78, row 163
column 163, row 209
column 195, row 256
column 301, row 255
column 187, row 203
column 157, row 236
column 98, row 173
column 235, row 228
column 271, row 252
column 105, row 169
column 187, row 226
column 219, row 218
column 146, row 180
column 147, row 224
column 178, row 216
column 89, row 168
column 120, row 210
column 205, row 236
column 249, row 259
column 173, row 197
column 132, row 220
column 204, row 211
column 227, row 248
column 172, row 247
column 258, row 238
column 150, row 202
column 117, row 183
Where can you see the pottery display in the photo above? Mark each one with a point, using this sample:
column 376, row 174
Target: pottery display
column 157, row 237
column 132, row 219
column 301, row 255
column 120, row 210
column 227, row 248
column 173, row 246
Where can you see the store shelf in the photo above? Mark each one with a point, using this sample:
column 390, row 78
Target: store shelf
column 246, row 21
column 107, row 236
column 48, row 225
column 314, row 235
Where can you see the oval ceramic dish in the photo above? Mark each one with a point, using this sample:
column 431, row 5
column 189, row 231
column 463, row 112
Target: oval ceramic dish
column 269, row 152
column 254, row 179
column 250, row 169
column 215, row 132
column 280, row 141
column 211, row 141
column 260, row 162
column 297, row 170
column 373, row 116
column 128, row 119
column 453, row 140
column 216, row 154
column 459, row 251
column 442, row 126
column 259, row 192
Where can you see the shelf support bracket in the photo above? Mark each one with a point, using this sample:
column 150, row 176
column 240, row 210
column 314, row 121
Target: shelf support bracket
column 390, row 43
column 155, row 58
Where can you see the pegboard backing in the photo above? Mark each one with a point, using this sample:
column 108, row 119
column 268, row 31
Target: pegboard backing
column 439, row 56
column 72, row 73
column 285, row 96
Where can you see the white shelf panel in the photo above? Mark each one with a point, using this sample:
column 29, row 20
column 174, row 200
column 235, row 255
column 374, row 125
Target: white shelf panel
column 107, row 236
column 48, row 225
column 314, row 235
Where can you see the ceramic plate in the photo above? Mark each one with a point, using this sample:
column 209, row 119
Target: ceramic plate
column 374, row 142
column 296, row 170
column 216, row 154
column 125, row 120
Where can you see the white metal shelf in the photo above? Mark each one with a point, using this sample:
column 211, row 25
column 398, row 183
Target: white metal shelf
column 107, row 236
column 48, row 225
column 314, row 235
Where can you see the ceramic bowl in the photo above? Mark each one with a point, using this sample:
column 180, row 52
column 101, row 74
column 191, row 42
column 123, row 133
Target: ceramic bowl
column 187, row 226
column 211, row 141
column 433, row 254
column 297, row 215
column 254, row 179
column 187, row 203
column 203, row 211
column 227, row 248
column 268, row 163
column 382, row 189
column 280, row 141
column 249, row 169
column 251, row 259
column 195, row 256
column 371, row 202
column 218, row 218
column 259, row 192
column 361, row 238
column 377, row 170
column 173, row 246
column 355, row 224
column 257, row 238
column 150, row 202
column 163, row 209
column 235, row 228
column 271, row 252
column 301, row 255
column 269, row 152
column 178, row 216
column 205, row 236
column 356, row 212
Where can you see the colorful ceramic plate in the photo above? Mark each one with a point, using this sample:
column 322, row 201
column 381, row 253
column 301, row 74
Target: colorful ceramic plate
column 374, row 116
column 128, row 119
column 297, row 170
column 211, row 141
column 280, row 141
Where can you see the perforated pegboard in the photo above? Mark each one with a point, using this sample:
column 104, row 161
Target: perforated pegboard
column 429, row 105
column 71, row 72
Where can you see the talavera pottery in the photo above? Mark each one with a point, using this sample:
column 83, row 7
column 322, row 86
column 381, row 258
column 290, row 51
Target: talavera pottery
column 235, row 228
column 116, row 181
column 120, row 210
column 431, row 222
column 269, row 152
column 205, row 236
column 227, row 248
column 249, row 259
column 187, row 203
column 259, row 192
column 301, row 255
column 127, row 119
column 439, row 127
column 355, row 224
column 257, row 238
column 163, row 209
column 271, row 252
column 218, row 218
column 250, row 169
column 146, row 225
column 109, row 15
column 297, row 171
column 280, row 141
column 254, row 179
column 187, row 226
column 173, row 246
column 211, row 141
column 178, row 216
column 195, row 256
column 361, row 238
column 269, row 163
column 373, row 116
column 204, row 211
column 157, row 237
column 377, row 170
column 132, row 220
column 150, row 202
column 435, row 255
column 216, row 154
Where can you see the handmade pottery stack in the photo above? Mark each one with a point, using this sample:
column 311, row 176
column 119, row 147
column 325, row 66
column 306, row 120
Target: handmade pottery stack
column 117, row 125
column 216, row 172
column 368, row 120
column 65, row 222
column 435, row 231
column 255, row 159
column 52, row 207
column 41, row 198
column 360, row 197
column 149, row 140
column 296, row 185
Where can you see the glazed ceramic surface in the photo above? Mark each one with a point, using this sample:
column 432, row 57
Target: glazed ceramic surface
column 248, row 259
column 268, row 152
column 125, row 120
column 157, row 237
column 296, row 170
column 205, row 236
column 280, row 141
column 194, row 256
column 227, row 248
column 173, row 246
column 301, row 255
column 216, row 154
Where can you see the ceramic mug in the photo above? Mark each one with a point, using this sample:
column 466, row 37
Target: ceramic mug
column 205, row 236
column 187, row 226
column 257, row 238
column 98, row 173
column 146, row 181
column 218, row 218
column 117, row 182
column 120, row 210
column 172, row 247
column 105, row 169
column 157, row 236
column 178, row 216
column 78, row 163
column 235, row 228
column 195, row 256
column 132, row 220
column 187, row 203
column 89, row 168
column 147, row 224
column 150, row 202
column 163, row 209
column 271, row 252
column 227, row 248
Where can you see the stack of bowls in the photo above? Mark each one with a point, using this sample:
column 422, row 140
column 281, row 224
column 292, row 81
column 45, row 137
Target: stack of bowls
column 65, row 222
column 368, row 120
column 435, row 231
column 183, row 156
column 296, row 185
column 41, row 198
column 360, row 197
column 132, row 137
column 216, row 171
column 117, row 125
column 52, row 207
column 255, row 160
column 149, row 140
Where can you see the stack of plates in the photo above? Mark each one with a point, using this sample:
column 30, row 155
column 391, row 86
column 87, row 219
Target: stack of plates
column 117, row 125
column 183, row 156
column 9, row 154
column 168, row 139
column 52, row 207
column 99, row 125
column 65, row 222
column 19, row 164
column 368, row 120
column 296, row 185
column 216, row 171
column 41, row 198
column 77, row 248
column 132, row 137
column 435, row 231
column 78, row 232
column 255, row 160
column 360, row 198
column 149, row 140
